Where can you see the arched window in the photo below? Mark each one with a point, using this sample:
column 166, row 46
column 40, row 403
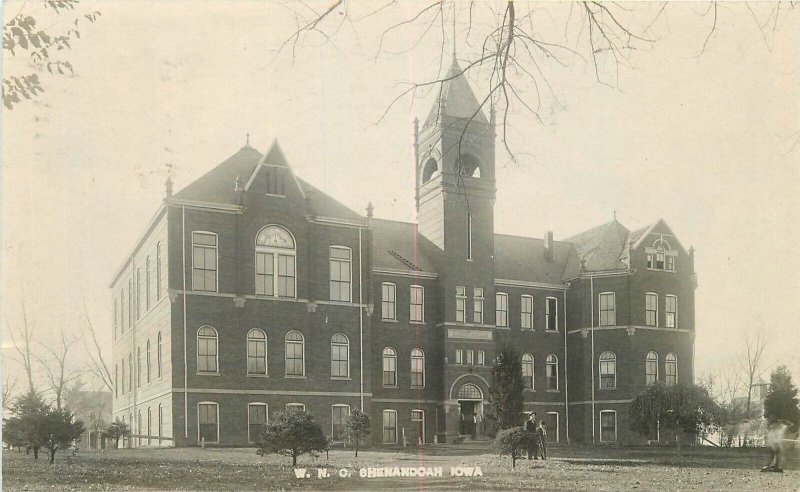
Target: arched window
column 122, row 374
column 661, row 256
column 340, row 356
column 158, row 270
column 551, row 371
column 147, row 360
column 417, row 368
column 122, row 311
column 468, row 165
column 256, row 353
column 138, row 367
column 431, row 166
column 147, row 284
column 608, row 370
column 527, row 371
column 671, row 369
column 158, row 356
column 295, row 354
column 389, row 367
column 139, row 428
column 160, row 422
column 130, row 373
column 207, row 350
column 149, row 424
column 651, row 368
column 138, row 293
column 275, row 262
column 470, row 392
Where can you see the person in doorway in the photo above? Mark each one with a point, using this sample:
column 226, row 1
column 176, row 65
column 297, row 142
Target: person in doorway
column 775, row 437
column 462, row 425
column 542, row 432
column 530, row 427
column 474, row 428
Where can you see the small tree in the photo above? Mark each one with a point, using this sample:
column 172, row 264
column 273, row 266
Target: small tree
column 781, row 401
column 686, row 408
column 505, row 394
column 514, row 441
column 358, row 427
column 60, row 428
column 27, row 414
column 116, row 431
column 293, row 433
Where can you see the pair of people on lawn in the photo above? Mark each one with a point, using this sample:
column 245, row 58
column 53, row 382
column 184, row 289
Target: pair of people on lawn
column 538, row 446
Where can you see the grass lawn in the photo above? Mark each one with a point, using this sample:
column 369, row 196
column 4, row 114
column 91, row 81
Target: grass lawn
column 570, row 468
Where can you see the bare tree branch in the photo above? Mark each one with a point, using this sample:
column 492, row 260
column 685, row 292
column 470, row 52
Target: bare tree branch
column 23, row 347
column 98, row 368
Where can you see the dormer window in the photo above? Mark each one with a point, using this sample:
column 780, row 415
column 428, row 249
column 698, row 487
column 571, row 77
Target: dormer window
column 661, row 256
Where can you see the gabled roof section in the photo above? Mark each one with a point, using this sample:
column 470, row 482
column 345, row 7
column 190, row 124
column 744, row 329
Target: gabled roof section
column 523, row 258
column 456, row 99
column 400, row 246
column 659, row 225
column 274, row 157
column 219, row 184
column 324, row 205
column 603, row 247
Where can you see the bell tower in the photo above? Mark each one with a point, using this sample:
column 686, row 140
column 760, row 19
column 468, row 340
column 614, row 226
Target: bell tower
column 455, row 173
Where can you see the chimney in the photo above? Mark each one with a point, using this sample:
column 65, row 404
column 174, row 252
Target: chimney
column 548, row 246
column 168, row 186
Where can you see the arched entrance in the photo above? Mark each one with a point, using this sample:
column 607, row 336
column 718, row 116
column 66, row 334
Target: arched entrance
column 470, row 405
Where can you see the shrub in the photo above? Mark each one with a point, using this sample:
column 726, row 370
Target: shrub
column 116, row 431
column 293, row 433
column 514, row 441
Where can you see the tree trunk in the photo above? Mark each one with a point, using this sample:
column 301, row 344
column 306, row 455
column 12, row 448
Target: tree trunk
column 53, row 455
column 36, row 452
column 513, row 460
column 294, row 458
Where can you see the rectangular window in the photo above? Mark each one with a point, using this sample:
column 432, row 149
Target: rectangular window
column 651, row 309
column 470, row 357
column 651, row 263
column 389, row 426
column 608, row 309
column 477, row 304
column 160, row 423
column 608, row 426
column 122, row 312
column 388, row 301
column 204, row 261
column 208, row 422
column 551, row 314
column 417, row 370
column 265, row 274
column 296, row 407
column 340, row 357
column 417, row 304
column 147, row 284
column 481, row 357
column 341, row 273
column 671, row 311
column 286, row 276
column 294, row 358
column 551, row 421
column 526, row 312
column 256, row 421
column 417, row 415
column 469, row 236
column 461, row 303
column 459, row 356
column 501, row 317
column 670, row 263
column 116, row 319
column 339, row 416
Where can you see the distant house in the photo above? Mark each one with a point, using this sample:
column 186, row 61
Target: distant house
column 94, row 409
column 251, row 291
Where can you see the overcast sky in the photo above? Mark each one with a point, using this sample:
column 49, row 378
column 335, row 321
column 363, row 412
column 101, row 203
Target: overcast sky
column 703, row 141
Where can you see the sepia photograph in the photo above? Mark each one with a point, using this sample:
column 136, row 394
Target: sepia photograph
column 400, row 245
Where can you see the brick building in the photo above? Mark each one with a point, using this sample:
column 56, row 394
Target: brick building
column 251, row 291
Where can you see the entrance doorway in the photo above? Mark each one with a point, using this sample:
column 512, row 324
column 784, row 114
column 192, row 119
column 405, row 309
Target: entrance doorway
column 470, row 406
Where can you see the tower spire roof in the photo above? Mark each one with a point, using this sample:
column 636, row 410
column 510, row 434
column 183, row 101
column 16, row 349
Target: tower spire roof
column 456, row 99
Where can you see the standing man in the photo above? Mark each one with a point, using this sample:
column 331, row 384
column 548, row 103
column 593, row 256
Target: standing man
column 775, row 437
column 474, row 424
column 530, row 427
column 542, row 431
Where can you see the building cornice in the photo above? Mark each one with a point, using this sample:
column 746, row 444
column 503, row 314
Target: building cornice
column 630, row 328
column 201, row 205
column 150, row 225
column 524, row 283
column 405, row 273
column 335, row 221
